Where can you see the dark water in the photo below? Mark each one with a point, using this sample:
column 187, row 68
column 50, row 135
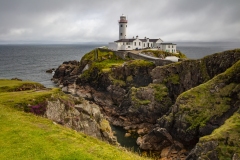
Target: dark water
column 29, row 62
column 128, row 142
column 196, row 50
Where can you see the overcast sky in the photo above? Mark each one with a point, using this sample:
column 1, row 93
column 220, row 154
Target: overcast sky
column 75, row 21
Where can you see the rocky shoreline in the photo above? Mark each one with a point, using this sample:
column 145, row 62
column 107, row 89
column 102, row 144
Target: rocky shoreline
column 158, row 102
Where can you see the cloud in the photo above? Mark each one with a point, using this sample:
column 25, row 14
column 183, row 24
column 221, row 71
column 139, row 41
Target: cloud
column 76, row 21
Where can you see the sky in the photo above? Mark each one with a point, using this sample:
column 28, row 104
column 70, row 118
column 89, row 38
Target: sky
column 77, row 21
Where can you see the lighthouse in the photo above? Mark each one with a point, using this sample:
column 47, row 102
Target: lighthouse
column 122, row 27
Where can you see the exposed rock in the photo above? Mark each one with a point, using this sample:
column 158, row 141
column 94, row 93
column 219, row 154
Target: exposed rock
column 84, row 117
column 157, row 139
column 17, row 79
column 66, row 73
column 198, row 112
column 127, row 134
column 206, row 150
column 50, row 70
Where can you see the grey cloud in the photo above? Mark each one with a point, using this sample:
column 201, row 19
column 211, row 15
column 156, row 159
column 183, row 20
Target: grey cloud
column 91, row 20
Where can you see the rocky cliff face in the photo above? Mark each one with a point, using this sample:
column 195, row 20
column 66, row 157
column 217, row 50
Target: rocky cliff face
column 200, row 110
column 182, row 76
column 84, row 117
column 170, row 106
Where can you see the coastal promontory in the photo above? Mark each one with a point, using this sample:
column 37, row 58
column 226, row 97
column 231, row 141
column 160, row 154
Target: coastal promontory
column 173, row 108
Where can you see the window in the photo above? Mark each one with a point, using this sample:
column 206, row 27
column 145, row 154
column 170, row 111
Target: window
column 168, row 46
column 172, row 46
column 126, row 25
column 128, row 46
column 144, row 45
column 139, row 43
column 121, row 25
column 135, row 43
column 121, row 34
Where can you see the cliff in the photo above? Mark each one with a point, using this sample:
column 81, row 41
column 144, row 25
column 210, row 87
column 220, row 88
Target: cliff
column 171, row 107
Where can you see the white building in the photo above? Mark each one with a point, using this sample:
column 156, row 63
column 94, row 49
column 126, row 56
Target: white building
column 136, row 43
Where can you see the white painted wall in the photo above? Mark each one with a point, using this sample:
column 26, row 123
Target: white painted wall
column 172, row 48
column 137, row 44
column 122, row 27
column 157, row 44
column 113, row 46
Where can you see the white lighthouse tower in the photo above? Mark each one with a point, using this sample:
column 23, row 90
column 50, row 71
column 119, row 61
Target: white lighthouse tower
column 122, row 27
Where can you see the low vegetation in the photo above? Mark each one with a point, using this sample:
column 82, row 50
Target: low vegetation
column 163, row 54
column 28, row 136
column 104, row 61
column 227, row 137
column 136, row 97
column 139, row 63
column 211, row 99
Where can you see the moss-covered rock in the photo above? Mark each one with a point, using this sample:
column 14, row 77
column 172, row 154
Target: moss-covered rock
column 200, row 110
column 225, row 139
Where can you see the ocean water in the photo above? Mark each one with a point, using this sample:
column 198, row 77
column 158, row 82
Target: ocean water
column 196, row 50
column 30, row 62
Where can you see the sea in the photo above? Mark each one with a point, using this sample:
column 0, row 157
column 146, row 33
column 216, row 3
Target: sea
column 30, row 61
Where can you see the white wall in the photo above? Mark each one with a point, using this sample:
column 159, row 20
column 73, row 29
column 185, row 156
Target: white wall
column 137, row 44
column 157, row 44
column 113, row 46
column 169, row 48
column 123, row 30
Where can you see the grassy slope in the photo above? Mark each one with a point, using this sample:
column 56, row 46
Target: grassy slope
column 228, row 137
column 26, row 136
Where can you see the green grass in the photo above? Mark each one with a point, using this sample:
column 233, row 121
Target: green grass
column 160, row 92
column 27, row 136
column 106, row 59
column 139, row 63
column 14, row 85
column 173, row 78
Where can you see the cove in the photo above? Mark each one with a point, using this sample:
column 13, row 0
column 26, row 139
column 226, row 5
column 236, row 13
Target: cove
column 127, row 142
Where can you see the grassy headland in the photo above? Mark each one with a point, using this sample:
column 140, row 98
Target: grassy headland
column 28, row 136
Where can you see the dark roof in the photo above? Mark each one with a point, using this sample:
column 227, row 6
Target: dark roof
column 143, row 40
column 150, row 40
column 168, row 44
column 131, row 40
column 125, row 40
column 153, row 40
